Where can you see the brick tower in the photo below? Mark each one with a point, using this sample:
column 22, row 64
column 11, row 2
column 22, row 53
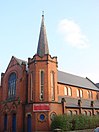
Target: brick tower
column 42, row 82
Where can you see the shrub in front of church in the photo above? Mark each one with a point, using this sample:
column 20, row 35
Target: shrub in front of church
column 61, row 122
column 77, row 122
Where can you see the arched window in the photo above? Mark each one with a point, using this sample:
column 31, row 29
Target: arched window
column 89, row 113
column 97, row 112
column 67, row 91
column 52, row 86
column 79, row 93
column 69, row 112
column 90, row 96
column 74, row 112
column 12, row 85
column 41, row 84
column 84, row 113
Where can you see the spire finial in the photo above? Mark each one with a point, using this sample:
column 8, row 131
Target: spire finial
column 42, row 13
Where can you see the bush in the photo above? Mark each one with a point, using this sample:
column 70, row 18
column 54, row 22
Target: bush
column 77, row 122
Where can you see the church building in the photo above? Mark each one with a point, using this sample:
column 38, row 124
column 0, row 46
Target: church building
column 33, row 92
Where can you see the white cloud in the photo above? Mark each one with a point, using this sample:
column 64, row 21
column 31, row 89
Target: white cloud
column 72, row 33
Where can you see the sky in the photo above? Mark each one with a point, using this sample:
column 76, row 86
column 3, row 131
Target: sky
column 72, row 28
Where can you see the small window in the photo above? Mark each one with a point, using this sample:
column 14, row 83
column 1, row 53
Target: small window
column 84, row 113
column 89, row 113
column 79, row 93
column 67, row 91
column 97, row 112
column 74, row 112
column 69, row 112
column 12, row 85
column 89, row 93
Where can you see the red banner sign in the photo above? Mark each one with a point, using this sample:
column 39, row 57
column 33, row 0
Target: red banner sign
column 41, row 107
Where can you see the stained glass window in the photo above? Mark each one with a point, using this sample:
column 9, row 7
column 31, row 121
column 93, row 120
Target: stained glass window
column 12, row 85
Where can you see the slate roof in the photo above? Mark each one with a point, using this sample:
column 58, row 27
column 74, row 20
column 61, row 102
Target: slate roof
column 20, row 61
column 97, row 84
column 74, row 80
column 73, row 102
column 42, row 43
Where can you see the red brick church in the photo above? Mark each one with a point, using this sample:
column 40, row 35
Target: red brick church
column 33, row 92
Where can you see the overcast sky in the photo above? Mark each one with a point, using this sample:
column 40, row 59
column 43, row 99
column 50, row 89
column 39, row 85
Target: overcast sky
column 72, row 31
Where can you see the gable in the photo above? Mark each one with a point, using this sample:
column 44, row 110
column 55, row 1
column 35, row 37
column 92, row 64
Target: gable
column 12, row 62
column 15, row 61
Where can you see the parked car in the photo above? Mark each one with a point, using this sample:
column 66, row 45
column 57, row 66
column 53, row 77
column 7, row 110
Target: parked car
column 96, row 129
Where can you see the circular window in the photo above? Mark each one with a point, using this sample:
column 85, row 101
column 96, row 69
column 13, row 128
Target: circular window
column 42, row 117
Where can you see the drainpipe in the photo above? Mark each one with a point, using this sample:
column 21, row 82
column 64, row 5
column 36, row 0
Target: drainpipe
column 80, row 106
column 63, row 101
column 92, row 105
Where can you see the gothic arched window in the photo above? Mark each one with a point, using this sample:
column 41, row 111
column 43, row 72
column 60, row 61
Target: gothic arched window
column 41, row 84
column 12, row 85
column 52, row 86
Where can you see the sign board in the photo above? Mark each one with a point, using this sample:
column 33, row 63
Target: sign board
column 41, row 107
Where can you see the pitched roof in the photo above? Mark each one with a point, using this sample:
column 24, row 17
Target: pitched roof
column 42, row 43
column 73, row 102
column 97, row 84
column 20, row 62
column 74, row 80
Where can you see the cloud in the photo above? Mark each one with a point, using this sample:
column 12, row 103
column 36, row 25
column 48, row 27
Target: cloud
column 72, row 33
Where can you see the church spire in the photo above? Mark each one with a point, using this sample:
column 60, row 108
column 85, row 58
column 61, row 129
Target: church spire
column 42, row 43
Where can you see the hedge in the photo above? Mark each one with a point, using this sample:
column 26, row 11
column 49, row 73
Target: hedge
column 76, row 122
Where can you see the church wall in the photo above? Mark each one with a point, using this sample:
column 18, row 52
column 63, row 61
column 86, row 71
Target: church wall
column 10, row 106
column 74, row 92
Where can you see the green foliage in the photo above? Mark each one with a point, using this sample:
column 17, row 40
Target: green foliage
column 76, row 122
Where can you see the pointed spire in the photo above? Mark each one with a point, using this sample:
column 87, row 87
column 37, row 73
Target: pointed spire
column 42, row 43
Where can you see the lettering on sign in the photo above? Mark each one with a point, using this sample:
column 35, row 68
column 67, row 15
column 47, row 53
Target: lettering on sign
column 41, row 107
